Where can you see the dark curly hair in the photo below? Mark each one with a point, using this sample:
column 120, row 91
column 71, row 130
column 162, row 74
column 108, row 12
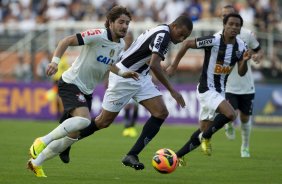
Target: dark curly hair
column 115, row 13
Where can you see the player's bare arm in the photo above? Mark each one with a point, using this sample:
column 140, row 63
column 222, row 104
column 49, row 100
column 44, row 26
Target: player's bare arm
column 242, row 65
column 185, row 46
column 60, row 50
column 128, row 74
column 160, row 75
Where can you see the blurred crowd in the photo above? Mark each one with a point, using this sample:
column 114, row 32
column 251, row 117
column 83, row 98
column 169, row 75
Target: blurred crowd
column 263, row 14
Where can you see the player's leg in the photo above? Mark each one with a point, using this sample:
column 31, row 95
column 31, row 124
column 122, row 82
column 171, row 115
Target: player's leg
column 132, row 119
column 65, row 154
column 246, row 109
column 80, row 117
column 53, row 149
column 226, row 114
column 70, row 125
column 127, row 119
column 214, row 108
column 44, row 150
column 192, row 144
column 159, row 113
column 229, row 127
column 246, row 126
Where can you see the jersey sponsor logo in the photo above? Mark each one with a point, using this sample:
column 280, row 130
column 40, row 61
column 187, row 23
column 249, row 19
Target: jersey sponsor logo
column 105, row 60
column 158, row 41
column 205, row 42
column 219, row 69
column 91, row 32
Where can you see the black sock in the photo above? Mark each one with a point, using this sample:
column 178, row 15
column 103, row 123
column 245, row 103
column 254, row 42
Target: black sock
column 192, row 144
column 88, row 130
column 219, row 121
column 127, row 118
column 134, row 117
column 150, row 129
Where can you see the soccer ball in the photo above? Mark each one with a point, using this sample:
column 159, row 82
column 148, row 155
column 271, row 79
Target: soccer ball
column 165, row 161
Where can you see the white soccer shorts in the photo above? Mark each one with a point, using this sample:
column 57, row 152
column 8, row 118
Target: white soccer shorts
column 121, row 90
column 209, row 102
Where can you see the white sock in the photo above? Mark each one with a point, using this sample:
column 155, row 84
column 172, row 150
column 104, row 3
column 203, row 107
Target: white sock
column 245, row 132
column 53, row 149
column 68, row 126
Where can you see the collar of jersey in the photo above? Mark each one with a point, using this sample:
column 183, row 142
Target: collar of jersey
column 109, row 34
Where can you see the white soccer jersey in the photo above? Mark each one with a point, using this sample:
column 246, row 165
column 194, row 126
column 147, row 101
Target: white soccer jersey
column 219, row 61
column 97, row 54
column 245, row 84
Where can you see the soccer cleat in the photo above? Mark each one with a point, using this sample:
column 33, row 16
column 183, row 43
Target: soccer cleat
column 38, row 170
column 36, row 148
column 125, row 132
column 206, row 146
column 65, row 155
column 129, row 132
column 230, row 131
column 245, row 153
column 181, row 162
column 132, row 161
column 132, row 132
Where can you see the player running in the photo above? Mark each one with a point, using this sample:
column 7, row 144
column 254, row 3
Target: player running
column 100, row 51
column 222, row 52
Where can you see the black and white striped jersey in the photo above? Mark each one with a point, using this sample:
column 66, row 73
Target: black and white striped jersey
column 219, row 61
column 137, row 56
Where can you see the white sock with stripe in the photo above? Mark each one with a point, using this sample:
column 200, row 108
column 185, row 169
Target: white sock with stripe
column 53, row 149
column 68, row 126
column 245, row 133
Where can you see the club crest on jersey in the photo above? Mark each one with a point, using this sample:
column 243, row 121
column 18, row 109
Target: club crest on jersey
column 238, row 54
column 112, row 53
column 81, row 98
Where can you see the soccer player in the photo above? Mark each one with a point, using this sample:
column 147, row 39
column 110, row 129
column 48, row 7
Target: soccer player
column 145, row 54
column 222, row 52
column 100, row 51
column 240, row 91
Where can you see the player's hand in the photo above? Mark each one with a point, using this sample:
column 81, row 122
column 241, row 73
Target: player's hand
column 131, row 74
column 178, row 97
column 52, row 68
column 256, row 57
column 247, row 55
column 171, row 70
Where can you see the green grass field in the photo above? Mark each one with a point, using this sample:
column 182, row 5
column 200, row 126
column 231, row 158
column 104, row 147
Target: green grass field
column 97, row 159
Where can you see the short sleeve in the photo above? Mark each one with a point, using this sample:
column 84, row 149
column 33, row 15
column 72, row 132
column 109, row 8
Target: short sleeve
column 91, row 35
column 205, row 41
column 160, row 43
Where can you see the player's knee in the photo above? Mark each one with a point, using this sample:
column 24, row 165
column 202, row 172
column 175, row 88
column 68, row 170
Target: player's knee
column 231, row 115
column 244, row 118
column 103, row 122
column 74, row 135
column 162, row 114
